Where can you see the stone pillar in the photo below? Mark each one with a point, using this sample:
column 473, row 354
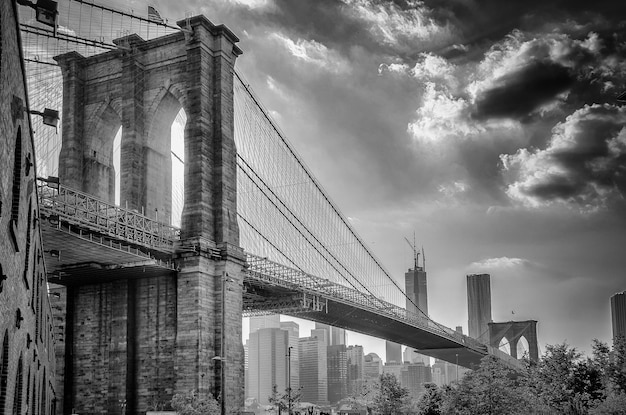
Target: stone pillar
column 212, row 277
column 210, row 153
column 132, row 182
column 71, row 156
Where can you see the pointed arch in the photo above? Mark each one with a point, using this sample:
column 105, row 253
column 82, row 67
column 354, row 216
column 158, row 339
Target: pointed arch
column 523, row 347
column 504, row 345
column 99, row 174
column 158, row 178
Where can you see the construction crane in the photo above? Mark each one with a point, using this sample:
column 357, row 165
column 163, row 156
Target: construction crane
column 416, row 254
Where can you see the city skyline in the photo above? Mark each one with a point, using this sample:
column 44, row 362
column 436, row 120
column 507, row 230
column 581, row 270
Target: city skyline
column 492, row 131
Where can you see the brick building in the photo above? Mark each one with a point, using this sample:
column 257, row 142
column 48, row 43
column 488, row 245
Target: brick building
column 27, row 364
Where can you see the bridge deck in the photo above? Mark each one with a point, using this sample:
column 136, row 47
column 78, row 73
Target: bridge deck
column 89, row 241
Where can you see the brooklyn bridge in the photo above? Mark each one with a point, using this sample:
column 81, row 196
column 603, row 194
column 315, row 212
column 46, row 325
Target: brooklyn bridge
column 157, row 245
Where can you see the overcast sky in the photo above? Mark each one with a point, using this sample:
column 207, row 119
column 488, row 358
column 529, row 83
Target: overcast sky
column 490, row 128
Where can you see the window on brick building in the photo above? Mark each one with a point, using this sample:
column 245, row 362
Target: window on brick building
column 28, row 388
column 28, row 232
column 19, row 389
column 43, row 393
column 33, row 402
column 17, row 177
column 4, row 371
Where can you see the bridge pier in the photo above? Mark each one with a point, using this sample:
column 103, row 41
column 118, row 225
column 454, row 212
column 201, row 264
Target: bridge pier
column 135, row 335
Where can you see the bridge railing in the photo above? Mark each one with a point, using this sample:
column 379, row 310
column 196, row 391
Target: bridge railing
column 68, row 205
column 287, row 277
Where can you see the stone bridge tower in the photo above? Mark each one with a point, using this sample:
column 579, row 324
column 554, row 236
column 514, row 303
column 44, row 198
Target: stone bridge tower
column 513, row 332
column 135, row 340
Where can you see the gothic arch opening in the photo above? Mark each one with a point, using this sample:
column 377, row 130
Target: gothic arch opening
column 117, row 163
column 523, row 349
column 505, row 346
column 178, row 166
column 99, row 177
column 165, row 159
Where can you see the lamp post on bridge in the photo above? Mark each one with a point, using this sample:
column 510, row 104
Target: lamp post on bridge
column 289, row 379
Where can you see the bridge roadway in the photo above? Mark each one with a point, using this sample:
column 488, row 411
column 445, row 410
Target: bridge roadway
column 83, row 235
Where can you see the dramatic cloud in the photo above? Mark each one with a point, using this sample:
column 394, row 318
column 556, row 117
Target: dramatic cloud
column 498, row 263
column 584, row 163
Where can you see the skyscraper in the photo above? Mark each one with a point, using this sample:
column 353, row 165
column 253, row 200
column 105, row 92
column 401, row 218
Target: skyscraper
column 479, row 306
column 373, row 367
column 264, row 322
column 313, row 370
column 618, row 314
column 414, row 376
column 267, row 363
column 415, row 284
column 336, row 335
column 393, row 352
column 356, row 361
column 337, row 373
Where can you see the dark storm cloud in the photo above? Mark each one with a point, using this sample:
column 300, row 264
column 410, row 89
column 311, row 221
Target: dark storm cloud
column 517, row 94
column 484, row 21
column 584, row 163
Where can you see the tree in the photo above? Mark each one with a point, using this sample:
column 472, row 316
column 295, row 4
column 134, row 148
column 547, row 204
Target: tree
column 492, row 388
column 613, row 404
column 193, row 404
column 390, row 397
column 431, row 402
column 282, row 401
column 617, row 366
column 565, row 382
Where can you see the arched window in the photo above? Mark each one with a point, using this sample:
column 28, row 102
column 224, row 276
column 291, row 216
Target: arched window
column 28, row 232
column 17, row 177
column 19, row 389
column 4, row 371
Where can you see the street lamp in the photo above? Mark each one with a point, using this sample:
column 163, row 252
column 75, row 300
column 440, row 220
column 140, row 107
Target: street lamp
column 222, row 358
column 46, row 11
column 289, row 379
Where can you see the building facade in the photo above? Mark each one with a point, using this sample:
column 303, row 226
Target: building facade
column 337, row 372
column 27, row 362
column 479, row 306
column 267, row 363
column 393, row 352
column 355, row 363
column 414, row 376
column 372, row 367
column 618, row 314
column 313, row 370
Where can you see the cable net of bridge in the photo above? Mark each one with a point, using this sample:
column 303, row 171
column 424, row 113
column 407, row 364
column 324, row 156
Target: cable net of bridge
column 285, row 214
